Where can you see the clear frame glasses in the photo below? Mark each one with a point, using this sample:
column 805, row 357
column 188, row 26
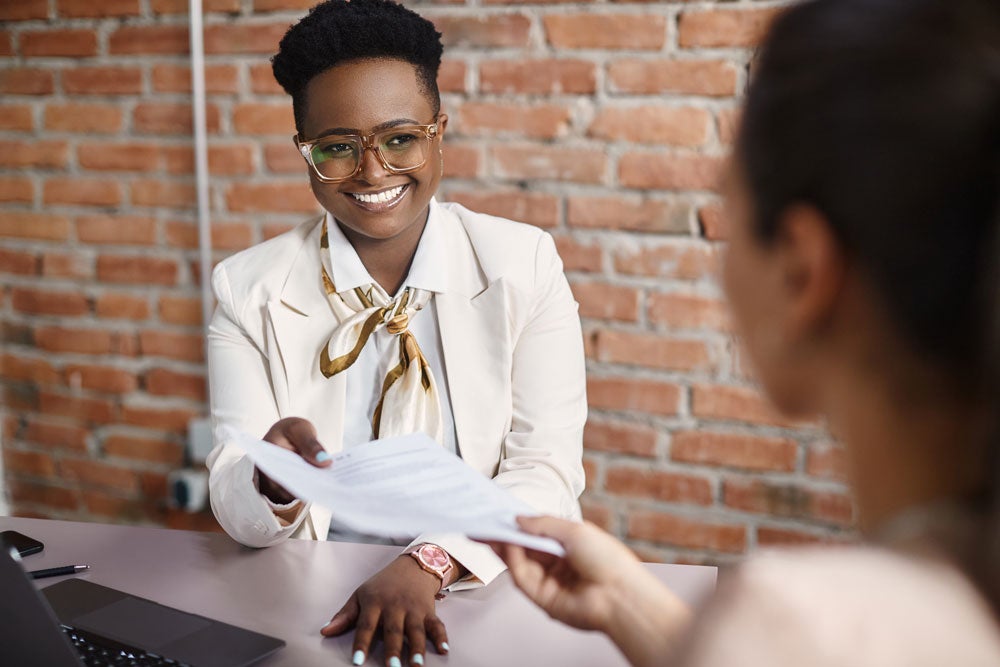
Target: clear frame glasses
column 338, row 157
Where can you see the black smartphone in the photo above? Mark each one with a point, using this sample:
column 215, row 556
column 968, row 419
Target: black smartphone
column 25, row 545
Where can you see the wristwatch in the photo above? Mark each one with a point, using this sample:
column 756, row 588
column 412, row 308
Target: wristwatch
column 433, row 559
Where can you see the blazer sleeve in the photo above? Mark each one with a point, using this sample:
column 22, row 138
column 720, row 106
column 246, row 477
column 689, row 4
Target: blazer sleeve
column 542, row 456
column 241, row 396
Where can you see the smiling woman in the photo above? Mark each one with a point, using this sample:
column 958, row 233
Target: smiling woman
column 392, row 313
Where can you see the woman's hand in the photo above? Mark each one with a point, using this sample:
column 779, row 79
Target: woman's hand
column 399, row 600
column 297, row 435
column 598, row 585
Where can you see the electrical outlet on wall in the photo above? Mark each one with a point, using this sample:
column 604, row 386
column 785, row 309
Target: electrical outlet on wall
column 199, row 439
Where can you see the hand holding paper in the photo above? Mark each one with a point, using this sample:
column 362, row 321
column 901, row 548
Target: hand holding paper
column 399, row 487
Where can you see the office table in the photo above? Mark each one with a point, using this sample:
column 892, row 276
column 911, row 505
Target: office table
column 291, row 590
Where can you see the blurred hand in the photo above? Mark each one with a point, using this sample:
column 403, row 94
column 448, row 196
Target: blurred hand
column 399, row 601
column 296, row 435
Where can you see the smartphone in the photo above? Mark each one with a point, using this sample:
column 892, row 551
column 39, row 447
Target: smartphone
column 25, row 545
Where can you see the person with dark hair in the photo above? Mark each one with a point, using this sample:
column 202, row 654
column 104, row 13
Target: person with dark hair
column 863, row 272
column 390, row 314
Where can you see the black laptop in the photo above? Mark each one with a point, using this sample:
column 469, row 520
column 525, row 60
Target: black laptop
column 76, row 622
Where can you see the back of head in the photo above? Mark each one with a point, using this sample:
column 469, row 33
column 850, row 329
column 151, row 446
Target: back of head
column 338, row 31
column 885, row 115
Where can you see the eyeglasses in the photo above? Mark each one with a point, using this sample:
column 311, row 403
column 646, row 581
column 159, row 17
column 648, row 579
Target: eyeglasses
column 338, row 157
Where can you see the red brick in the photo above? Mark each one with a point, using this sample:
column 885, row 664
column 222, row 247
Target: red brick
column 82, row 191
column 19, row 263
column 166, row 419
column 186, row 347
column 96, row 473
column 143, row 449
column 609, row 302
column 129, row 230
column 149, row 39
column 264, row 119
column 26, row 81
column 102, row 80
column 628, row 213
column 89, row 410
column 636, row 394
column 26, row 369
column 768, row 536
column 118, row 157
column 548, row 162
column 244, row 38
column 596, row 513
column 677, row 126
column 17, row 118
column 546, row 121
column 577, row 256
column 282, row 158
column 37, row 493
column 490, row 31
column 688, row 311
column 788, row 500
column 222, row 160
column 76, row 264
column 67, row 43
column 549, row 76
column 533, row 208
column 278, row 5
column 451, row 76
column 170, row 118
column 180, row 310
column 723, row 27
column 688, row 533
column 165, row 382
column 605, row 31
column 225, row 236
column 101, row 378
column 713, row 222
column 53, row 435
column 827, row 461
column 651, row 351
column 102, row 9
column 182, row 6
column 83, row 118
column 33, row 464
column 84, row 341
column 114, row 305
column 17, row 189
column 219, row 79
column 6, row 43
column 729, row 403
column 42, row 154
column 48, row 302
column 270, row 230
column 620, row 438
column 728, row 121
column 461, row 161
column 737, row 451
column 120, row 508
column 136, row 269
column 675, row 261
column 715, row 78
column 271, row 197
column 262, row 80
column 658, row 485
column 24, row 10
column 669, row 171
column 160, row 193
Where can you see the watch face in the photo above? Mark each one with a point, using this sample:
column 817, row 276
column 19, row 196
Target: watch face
column 434, row 556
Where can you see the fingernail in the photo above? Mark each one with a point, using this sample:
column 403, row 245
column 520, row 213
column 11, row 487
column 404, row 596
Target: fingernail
column 417, row 659
column 394, row 662
column 323, row 457
column 445, row 647
column 359, row 658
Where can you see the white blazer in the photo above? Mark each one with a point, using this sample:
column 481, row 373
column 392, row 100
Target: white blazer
column 513, row 353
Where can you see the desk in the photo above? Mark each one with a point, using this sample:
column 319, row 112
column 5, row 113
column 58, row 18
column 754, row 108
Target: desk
column 291, row 590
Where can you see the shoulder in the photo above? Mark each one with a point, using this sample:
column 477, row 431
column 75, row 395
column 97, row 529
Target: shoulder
column 845, row 605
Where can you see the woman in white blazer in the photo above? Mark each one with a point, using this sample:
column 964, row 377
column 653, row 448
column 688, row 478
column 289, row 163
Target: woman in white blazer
column 390, row 313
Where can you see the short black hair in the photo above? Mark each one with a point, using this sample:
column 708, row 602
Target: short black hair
column 338, row 31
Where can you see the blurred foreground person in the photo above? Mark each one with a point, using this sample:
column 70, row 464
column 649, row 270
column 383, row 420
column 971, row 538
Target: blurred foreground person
column 862, row 275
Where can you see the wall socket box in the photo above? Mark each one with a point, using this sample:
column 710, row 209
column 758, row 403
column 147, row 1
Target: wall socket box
column 199, row 439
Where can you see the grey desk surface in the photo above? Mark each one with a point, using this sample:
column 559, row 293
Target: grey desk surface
column 291, row 590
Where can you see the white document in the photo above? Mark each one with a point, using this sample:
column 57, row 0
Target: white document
column 399, row 488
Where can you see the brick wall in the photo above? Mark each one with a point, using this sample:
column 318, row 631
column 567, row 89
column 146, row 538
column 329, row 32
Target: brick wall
column 604, row 123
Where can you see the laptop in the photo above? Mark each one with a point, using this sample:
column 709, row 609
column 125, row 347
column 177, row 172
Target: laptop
column 77, row 622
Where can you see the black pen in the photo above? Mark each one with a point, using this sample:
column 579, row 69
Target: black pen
column 58, row 571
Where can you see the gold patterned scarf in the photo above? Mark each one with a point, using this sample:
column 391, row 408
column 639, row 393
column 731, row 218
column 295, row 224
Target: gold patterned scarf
column 409, row 399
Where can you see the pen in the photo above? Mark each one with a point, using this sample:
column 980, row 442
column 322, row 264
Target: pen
column 58, row 571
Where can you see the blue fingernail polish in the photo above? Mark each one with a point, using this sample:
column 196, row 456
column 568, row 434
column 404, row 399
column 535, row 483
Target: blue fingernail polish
column 417, row 659
column 394, row 662
column 445, row 647
column 359, row 658
column 323, row 457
